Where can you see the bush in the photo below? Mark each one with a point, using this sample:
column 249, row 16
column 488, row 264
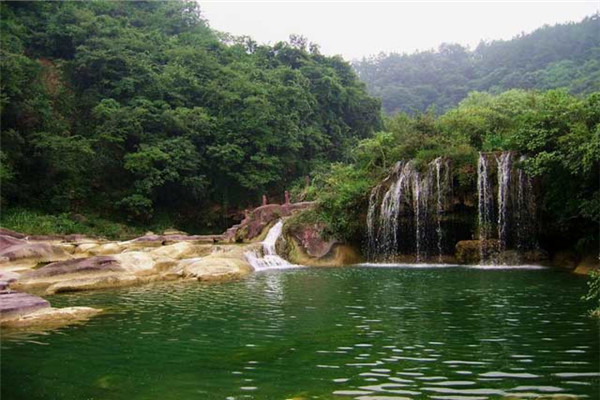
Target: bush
column 593, row 293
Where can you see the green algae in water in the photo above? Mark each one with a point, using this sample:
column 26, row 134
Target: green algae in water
column 320, row 333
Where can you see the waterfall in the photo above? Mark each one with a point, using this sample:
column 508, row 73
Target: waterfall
column 486, row 205
column 440, row 203
column 525, row 219
column 407, row 218
column 371, row 221
column 269, row 259
column 392, row 208
column 504, row 180
column 516, row 207
column 418, row 216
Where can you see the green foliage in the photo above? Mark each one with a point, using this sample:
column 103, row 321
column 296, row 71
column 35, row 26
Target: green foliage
column 342, row 199
column 139, row 108
column 593, row 293
column 560, row 56
column 39, row 223
column 302, row 219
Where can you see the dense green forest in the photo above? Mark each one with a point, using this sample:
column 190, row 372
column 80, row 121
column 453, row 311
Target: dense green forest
column 560, row 56
column 139, row 111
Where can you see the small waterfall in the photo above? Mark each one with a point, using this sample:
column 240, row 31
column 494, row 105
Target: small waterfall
column 515, row 227
column 439, row 163
column 392, row 208
column 410, row 212
column 418, row 216
column 486, row 205
column 269, row 259
column 526, row 217
column 374, row 200
column 504, row 162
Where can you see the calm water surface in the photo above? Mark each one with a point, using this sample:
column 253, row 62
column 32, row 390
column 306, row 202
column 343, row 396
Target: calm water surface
column 358, row 332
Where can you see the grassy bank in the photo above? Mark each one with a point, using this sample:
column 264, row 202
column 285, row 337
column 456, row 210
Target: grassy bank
column 39, row 223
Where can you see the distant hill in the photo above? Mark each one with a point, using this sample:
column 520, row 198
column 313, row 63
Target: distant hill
column 565, row 55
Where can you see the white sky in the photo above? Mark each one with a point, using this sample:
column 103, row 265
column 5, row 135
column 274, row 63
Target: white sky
column 357, row 29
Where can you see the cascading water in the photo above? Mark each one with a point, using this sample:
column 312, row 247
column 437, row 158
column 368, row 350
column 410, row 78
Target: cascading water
column 372, row 219
column 406, row 216
column 269, row 259
column 525, row 221
column 392, row 208
column 418, row 218
column 486, row 205
column 516, row 207
column 439, row 163
column 504, row 162
column 410, row 212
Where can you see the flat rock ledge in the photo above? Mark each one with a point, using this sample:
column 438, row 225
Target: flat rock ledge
column 22, row 310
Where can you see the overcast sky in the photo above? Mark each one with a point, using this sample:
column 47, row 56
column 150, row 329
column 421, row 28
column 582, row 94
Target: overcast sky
column 357, row 29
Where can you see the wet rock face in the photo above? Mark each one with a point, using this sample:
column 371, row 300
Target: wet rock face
column 310, row 237
column 470, row 252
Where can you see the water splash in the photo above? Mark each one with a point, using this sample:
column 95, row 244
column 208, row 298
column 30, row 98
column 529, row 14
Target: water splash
column 269, row 259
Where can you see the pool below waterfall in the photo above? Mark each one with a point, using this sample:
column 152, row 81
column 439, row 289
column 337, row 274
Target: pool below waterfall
column 354, row 332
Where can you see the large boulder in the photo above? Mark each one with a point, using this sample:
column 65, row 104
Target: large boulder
column 98, row 248
column 136, row 262
column 225, row 263
column 50, row 317
column 66, row 270
column 181, row 250
column 8, row 232
column 21, row 254
column 152, row 240
column 98, row 282
column 6, row 278
column 305, row 244
column 587, row 264
column 15, row 304
column 468, row 252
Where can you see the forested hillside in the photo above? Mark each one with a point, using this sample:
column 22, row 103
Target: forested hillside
column 139, row 110
column 561, row 56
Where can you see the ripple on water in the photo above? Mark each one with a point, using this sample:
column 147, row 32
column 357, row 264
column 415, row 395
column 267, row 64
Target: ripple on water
column 369, row 333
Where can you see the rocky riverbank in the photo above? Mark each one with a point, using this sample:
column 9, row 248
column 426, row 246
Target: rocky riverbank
column 52, row 265
column 32, row 266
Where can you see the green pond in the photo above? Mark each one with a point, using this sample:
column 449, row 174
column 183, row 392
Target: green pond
column 355, row 332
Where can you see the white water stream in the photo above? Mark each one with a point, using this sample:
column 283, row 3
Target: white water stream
column 269, row 258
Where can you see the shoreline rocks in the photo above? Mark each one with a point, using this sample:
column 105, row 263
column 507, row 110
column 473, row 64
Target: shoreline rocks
column 79, row 263
column 23, row 310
